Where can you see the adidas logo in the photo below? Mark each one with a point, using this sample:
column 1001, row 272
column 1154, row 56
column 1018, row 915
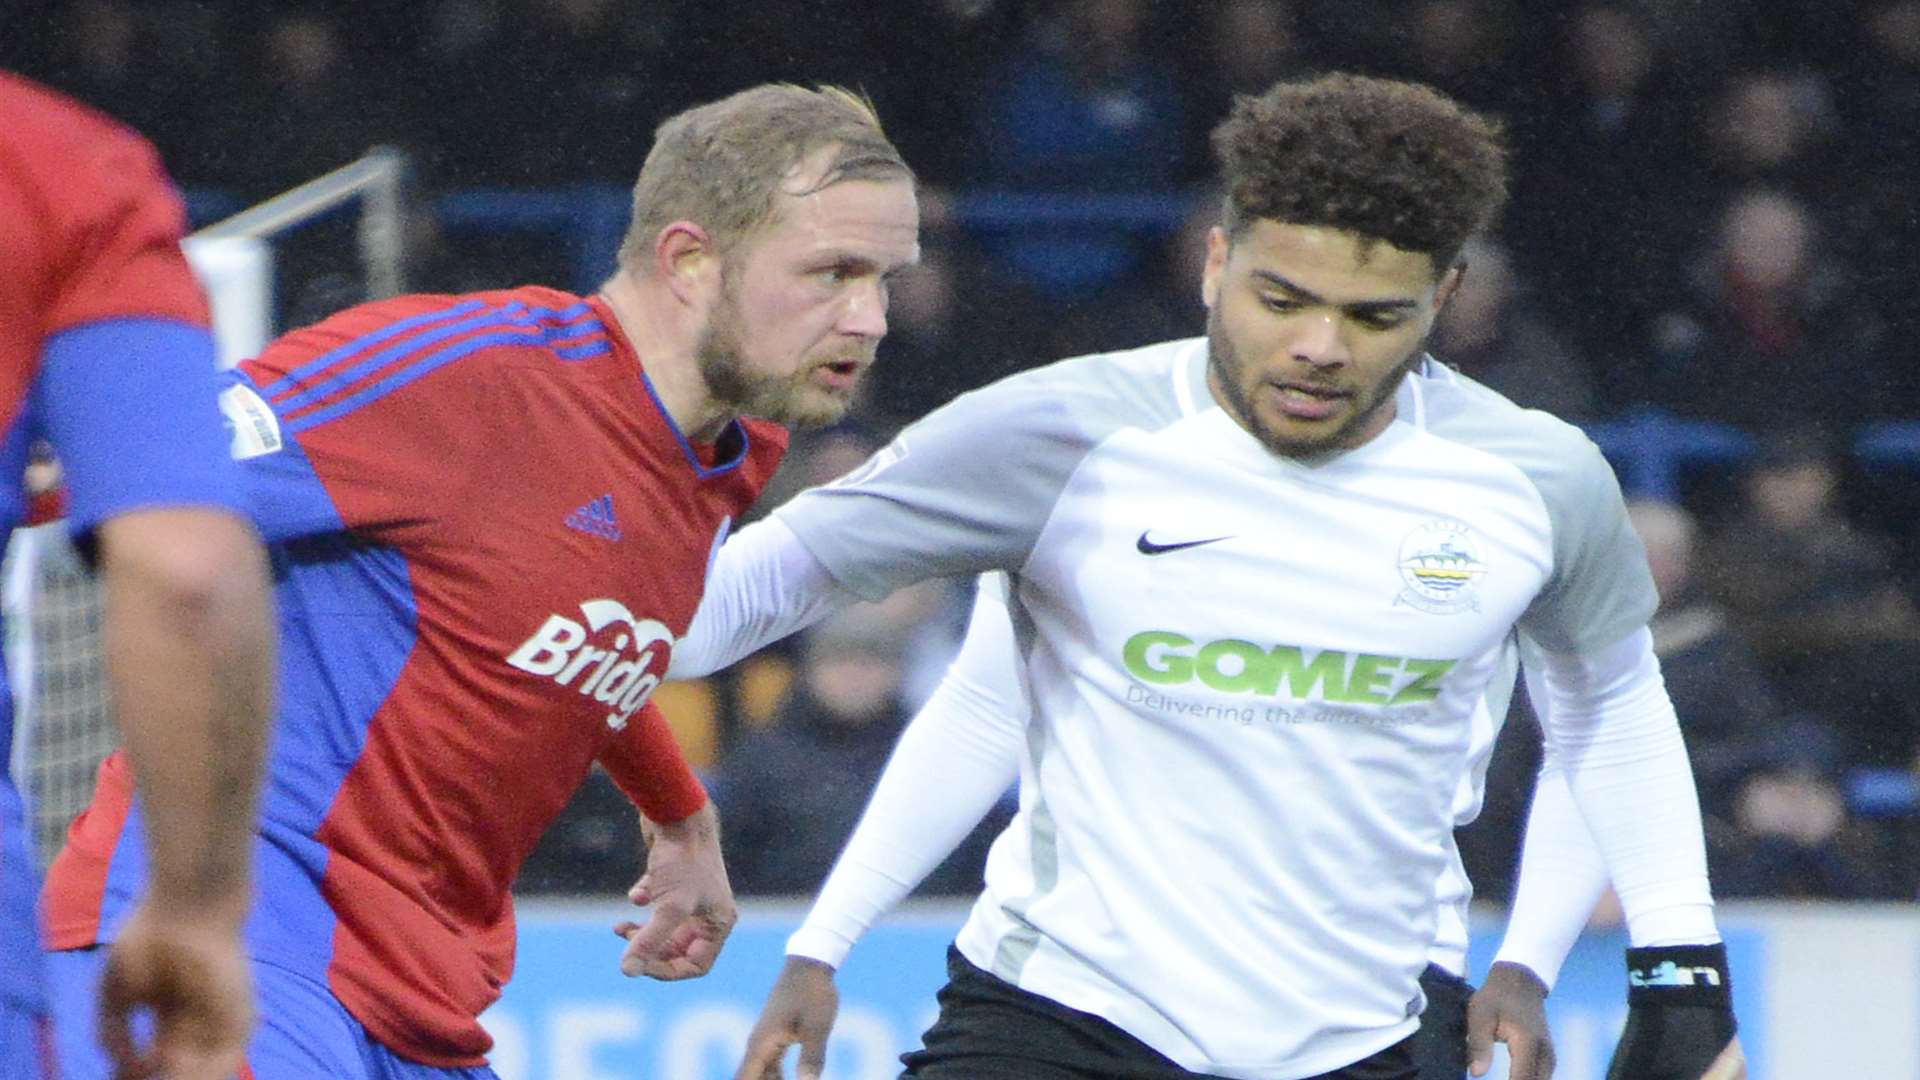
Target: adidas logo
column 596, row 519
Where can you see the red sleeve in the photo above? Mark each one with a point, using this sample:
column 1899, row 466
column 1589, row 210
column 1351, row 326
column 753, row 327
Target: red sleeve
column 348, row 439
column 418, row 412
column 118, row 243
column 89, row 230
column 646, row 763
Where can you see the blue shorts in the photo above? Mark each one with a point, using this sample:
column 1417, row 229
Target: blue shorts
column 26, row 1044
column 304, row 1031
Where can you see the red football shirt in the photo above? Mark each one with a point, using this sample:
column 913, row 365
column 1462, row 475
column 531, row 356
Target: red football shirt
column 487, row 534
column 104, row 354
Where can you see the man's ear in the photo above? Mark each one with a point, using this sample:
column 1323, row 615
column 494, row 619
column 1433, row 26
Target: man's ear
column 1218, row 247
column 685, row 259
column 1449, row 284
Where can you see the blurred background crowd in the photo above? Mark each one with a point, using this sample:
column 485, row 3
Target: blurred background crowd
column 1713, row 231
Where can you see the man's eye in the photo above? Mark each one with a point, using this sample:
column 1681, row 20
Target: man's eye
column 1280, row 304
column 1378, row 322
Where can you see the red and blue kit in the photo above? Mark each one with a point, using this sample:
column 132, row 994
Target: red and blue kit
column 105, row 355
column 486, row 534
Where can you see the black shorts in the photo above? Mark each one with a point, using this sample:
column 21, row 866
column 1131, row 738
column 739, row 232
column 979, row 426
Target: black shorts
column 989, row 1029
column 1440, row 1046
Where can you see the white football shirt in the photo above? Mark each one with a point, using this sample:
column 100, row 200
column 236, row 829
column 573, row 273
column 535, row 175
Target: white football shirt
column 1254, row 681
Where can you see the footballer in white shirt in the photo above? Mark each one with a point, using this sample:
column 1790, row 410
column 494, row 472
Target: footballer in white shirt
column 1266, row 591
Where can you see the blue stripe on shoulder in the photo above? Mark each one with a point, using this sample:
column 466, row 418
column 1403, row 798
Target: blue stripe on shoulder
column 366, row 341
column 585, row 350
column 425, row 365
column 512, row 313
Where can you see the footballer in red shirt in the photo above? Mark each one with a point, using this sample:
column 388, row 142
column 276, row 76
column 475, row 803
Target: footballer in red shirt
column 490, row 517
column 105, row 356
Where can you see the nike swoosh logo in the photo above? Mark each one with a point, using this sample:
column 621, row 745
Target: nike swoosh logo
column 1147, row 547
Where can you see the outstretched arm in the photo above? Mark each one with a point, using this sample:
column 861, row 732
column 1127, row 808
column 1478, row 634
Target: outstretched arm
column 1612, row 728
column 764, row 585
column 955, row 760
column 1561, row 880
column 1562, row 874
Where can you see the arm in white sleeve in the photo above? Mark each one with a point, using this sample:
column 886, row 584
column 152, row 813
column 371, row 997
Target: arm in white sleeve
column 1562, row 878
column 1562, row 875
column 764, row 585
column 1611, row 728
column 957, row 757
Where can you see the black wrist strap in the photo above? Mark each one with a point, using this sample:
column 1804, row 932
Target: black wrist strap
column 1679, row 975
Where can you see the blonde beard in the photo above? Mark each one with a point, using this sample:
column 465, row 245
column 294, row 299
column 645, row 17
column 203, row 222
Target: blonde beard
column 788, row 400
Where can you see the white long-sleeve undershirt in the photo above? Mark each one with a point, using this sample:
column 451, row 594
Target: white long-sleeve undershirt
column 764, row 585
column 1611, row 733
column 954, row 761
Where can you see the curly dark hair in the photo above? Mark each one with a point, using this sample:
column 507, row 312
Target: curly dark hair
column 1393, row 161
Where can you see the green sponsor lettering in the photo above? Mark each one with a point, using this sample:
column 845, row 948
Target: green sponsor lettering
column 1330, row 667
column 1173, row 667
column 1426, row 684
column 1234, row 666
column 1371, row 680
column 1256, row 675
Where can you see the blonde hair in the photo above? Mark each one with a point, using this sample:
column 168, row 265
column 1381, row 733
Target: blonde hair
column 722, row 164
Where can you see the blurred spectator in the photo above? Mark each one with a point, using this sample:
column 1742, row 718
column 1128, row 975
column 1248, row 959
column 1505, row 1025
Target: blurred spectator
column 1249, row 46
column 1817, row 597
column 1713, row 36
column 1791, row 836
column 816, row 457
column 923, row 62
column 1768, row 333
column 1724, row 699
column 552, row 92
column 1462, row 47
column 1358, row 35
column 1763, row 127
column 1591, row 177
column 311, row 109
column 1880, row 100
column 948, row 333
column 1083, row 104
column 1493, row 331
column 104, row 53
column 790, row 795
column 1883, row 103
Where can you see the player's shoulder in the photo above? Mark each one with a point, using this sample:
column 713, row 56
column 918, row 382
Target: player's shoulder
column 65, row 146
column 68, row 155
column 1090, row 396
column 1555, row 455
column 43, row 123
column 442, row 326
column 1144, row 372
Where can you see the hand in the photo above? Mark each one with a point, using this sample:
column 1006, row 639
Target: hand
column 190, row 971
column 1680, row 1023
column 693, row 911
column 1730, row 1065
column 799, row 1009
column 1510, row 1008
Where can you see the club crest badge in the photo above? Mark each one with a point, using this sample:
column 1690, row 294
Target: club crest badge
column 1441, row 565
